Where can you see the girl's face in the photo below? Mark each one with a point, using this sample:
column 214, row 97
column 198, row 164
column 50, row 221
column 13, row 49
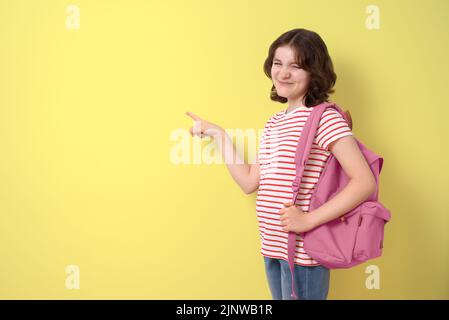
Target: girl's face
column 290, row 81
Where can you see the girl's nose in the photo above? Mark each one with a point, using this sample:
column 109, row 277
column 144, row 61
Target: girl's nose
column 284, row 74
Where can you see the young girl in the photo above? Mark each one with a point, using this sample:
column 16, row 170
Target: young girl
column 301, row 70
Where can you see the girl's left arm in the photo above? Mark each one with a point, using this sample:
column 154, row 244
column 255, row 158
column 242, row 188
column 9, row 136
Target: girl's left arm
column 360, row 186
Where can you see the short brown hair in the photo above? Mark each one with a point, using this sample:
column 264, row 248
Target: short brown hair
column 312, row 56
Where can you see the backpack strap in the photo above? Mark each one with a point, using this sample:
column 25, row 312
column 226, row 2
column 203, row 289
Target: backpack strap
column 302, row 154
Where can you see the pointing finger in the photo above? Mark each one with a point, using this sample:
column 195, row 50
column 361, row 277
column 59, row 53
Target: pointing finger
column 193, row 116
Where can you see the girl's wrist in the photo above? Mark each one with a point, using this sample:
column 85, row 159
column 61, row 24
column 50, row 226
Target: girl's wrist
column 314, row 222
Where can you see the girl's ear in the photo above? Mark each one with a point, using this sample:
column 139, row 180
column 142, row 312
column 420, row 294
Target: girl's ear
column 348, row 115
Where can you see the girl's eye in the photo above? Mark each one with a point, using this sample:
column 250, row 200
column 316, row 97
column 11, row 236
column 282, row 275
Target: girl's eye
column 278, row 64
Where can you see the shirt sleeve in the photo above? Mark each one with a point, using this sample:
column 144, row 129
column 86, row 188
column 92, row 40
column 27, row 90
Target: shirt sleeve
column 332, row 127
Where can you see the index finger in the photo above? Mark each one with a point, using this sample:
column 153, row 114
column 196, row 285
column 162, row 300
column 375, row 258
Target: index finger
column 193, row 116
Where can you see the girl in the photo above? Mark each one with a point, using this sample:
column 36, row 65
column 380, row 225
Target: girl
column 301, row 70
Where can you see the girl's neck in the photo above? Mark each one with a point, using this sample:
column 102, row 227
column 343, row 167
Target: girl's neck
column 294, row 107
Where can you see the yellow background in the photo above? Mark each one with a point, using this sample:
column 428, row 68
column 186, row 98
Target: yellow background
column 85, row 123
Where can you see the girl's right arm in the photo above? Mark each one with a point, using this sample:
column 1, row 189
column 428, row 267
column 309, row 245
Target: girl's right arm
column 246, row 175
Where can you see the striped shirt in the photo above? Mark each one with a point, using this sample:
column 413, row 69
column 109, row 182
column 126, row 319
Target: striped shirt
column 277, row 170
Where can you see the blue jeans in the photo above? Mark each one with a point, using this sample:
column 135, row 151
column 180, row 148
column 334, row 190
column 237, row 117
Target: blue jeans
column 312, row 282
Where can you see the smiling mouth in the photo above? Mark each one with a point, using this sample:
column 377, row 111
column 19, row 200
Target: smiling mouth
column 284, row 82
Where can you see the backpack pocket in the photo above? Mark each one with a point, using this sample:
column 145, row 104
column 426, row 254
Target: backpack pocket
column 370, row 234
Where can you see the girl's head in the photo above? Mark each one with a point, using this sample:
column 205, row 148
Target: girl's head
column 301, row 69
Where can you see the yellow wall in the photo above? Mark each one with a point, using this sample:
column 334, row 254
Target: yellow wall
column 86, row 116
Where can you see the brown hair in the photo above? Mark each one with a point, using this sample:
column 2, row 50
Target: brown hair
column 312, row 56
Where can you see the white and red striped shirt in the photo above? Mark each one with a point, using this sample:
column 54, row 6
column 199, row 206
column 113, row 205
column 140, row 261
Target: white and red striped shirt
column 277, row 170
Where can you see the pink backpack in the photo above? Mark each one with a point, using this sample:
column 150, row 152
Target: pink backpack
column 353, row 238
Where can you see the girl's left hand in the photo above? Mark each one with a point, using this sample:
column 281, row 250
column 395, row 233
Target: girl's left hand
column 294, row 219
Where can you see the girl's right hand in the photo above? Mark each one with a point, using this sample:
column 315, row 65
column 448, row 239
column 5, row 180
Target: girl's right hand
column 203, row 128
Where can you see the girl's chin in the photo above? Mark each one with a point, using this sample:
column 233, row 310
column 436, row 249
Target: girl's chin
column 282, row 93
